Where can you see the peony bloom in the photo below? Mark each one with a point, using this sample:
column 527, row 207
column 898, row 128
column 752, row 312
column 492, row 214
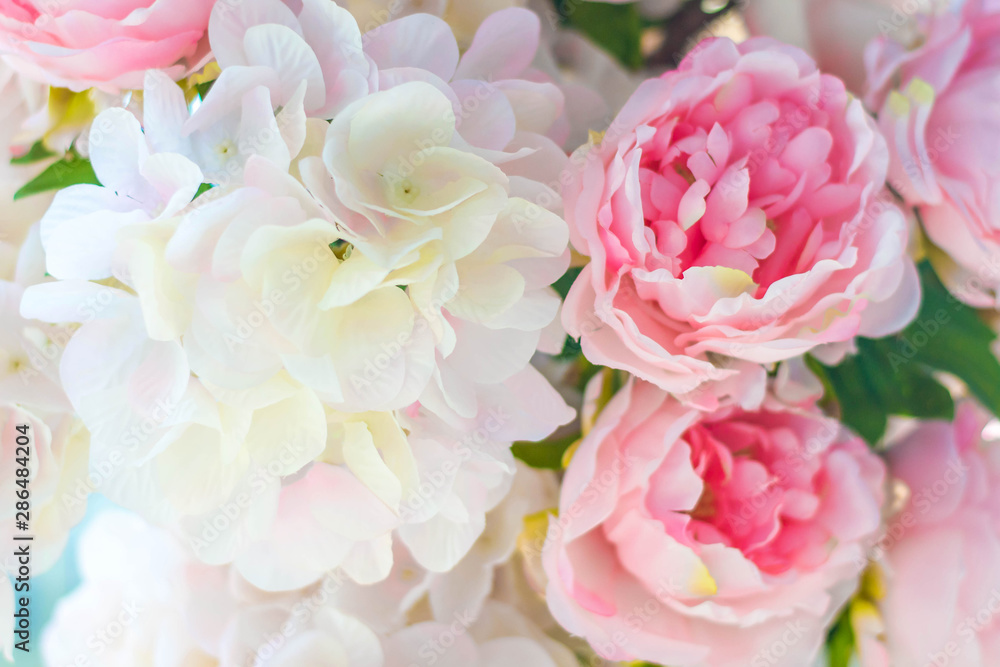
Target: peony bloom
column 938, row 106
column 733, row 209
column 693, row 538
column 941, row 554
column 103, row 45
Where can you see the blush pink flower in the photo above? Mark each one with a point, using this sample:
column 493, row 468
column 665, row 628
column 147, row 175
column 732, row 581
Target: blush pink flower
column 834, row 32
column 734, row 209
column 939, row 107
column 711, row 539
column 107, row 45
column 941, row 553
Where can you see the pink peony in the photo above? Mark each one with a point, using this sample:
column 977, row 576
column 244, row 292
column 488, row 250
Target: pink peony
column 713, row 539
column 939, row 107
column 734, row 209
column 108, row 45
column 941, row 553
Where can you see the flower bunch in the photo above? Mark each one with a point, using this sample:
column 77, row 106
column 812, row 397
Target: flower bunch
column 417, row 332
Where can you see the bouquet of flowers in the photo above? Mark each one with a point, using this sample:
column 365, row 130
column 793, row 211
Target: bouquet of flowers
column 399, row 333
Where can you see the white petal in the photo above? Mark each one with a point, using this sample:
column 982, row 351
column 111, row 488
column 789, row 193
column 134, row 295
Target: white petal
column 231, row 20
column 418, row 40
column 286, row 52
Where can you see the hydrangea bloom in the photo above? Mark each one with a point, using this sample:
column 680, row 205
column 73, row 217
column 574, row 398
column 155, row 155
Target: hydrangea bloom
column 336, row 336
column 143, row 596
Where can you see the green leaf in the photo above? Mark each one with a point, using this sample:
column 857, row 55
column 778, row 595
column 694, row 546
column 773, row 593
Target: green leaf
column 203, row 88
column 547, row 454
column 36, row 153
column 571, row 346
column 71, row 170
column 895, row 375
column 616, row 28
column 202, row 189
column 858, row 410
column 960, row 346
column 570, row 350
column 840, row 640
column 869, row 389
column 566, row 281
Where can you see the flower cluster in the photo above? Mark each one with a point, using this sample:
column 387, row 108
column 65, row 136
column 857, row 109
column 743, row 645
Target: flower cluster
column 329, row 346
column 492, row 332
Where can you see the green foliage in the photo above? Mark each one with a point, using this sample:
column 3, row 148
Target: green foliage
column 566, row 281
column 840, row 640
column 203, row 88
column 895, row 375
column 616, row 28
column 547, row 454
column 571, row 346
column 963, row 346
column 36, row 153
column 869, row 390
column 70, row 170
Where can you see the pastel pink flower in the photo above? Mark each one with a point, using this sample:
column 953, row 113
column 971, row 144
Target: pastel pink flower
column 939, row 107
column 710, row 539
column 107, row 45
column 734, row 209
column 941, row 553
column 834, row 32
